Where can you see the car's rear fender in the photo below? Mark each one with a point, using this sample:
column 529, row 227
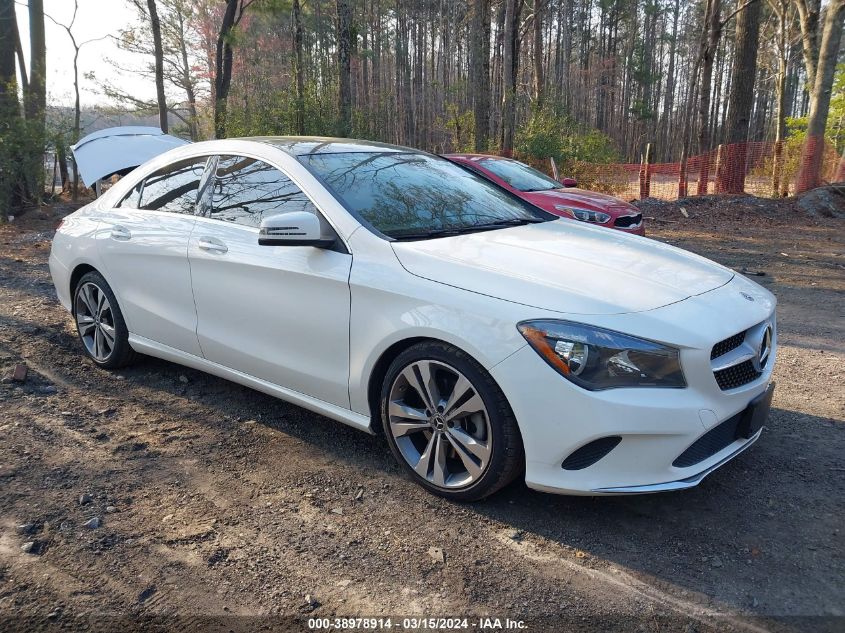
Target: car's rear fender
column 74, row 245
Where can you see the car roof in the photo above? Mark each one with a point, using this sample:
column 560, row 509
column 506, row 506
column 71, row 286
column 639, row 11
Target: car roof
column 301, row 145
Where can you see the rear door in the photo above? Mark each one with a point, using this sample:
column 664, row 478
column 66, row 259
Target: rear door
column 143, row 243
column 278, row 313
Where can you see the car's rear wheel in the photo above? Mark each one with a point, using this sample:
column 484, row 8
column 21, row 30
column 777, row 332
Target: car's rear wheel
column 449, row 424
column 100, row 323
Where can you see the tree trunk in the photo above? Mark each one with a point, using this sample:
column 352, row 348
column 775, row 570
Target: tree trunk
column 223, row 68
column 714, row 28
column 35, row 98
column 77, row 115
column 61, row 157
column 298, row 69
column 538, row 53
column 187, row 79
column 741, row 98
column 21, row 61
column 811, row 156
column 344, row 48
column 155, row 27
column 781, row 8
column 669, row 92
column 479, row 53
column 510, row 65
column 808, row 13
column 9, row 110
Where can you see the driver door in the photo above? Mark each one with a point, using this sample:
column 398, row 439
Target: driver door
column 278, row 313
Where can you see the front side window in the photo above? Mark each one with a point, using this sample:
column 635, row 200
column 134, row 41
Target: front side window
column 174, row 188
column 247, row 190
column 519, row 175
column 407, row 195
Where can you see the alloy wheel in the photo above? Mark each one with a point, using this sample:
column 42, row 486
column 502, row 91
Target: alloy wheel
column 440, row 424
column 95, row 321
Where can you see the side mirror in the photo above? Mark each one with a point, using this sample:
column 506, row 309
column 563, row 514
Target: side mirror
column 295, row 228
column 569, row 182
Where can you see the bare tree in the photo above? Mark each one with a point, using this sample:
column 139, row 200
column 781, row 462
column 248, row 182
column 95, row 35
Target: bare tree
column 480, row 71
column 223, row 61
column 811, row 159
column 344, row 53
column 35, row 99
column 808, row 13
column 537, row 23
column 714, row 31
column 299, row 68
column 510, row 64
column 77, row 46
column 8, row 51
column 781, row 11
column 155, row 27
column 9, row 107
column 180, row 42
column 741, row 99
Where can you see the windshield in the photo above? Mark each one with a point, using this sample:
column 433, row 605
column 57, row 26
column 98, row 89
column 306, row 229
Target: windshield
column 518, row 175
column 410, row 195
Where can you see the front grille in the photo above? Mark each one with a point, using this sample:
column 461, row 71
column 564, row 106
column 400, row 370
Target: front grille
column 710, row 443
column 626, row 221
column 723, row 347
column 736, row 376
column 590, row 453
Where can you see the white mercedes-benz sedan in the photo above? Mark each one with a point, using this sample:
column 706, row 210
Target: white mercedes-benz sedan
column 396, row 292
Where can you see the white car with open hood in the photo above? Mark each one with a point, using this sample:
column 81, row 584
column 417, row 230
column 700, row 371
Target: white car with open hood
column 401, row 294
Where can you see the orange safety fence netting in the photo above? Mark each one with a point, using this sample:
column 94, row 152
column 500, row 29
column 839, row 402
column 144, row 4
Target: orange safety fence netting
column 760, row 168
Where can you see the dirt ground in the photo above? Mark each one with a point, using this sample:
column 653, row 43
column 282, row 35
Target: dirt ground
column 224, row 509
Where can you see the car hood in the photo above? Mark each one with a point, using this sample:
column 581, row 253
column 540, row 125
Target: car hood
column 564, row 267
column 119, row 149
column 579, row 198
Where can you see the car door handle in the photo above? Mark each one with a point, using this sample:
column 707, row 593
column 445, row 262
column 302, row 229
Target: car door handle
column 120, row 232
column 212, row 245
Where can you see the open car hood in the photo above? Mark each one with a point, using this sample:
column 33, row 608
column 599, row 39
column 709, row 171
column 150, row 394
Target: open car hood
column 118, row 150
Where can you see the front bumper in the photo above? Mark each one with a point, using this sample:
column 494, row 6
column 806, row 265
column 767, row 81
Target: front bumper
column 634, row 230
column 679, row 484
column 656, row 426
column 653, row 427
column 556, row 418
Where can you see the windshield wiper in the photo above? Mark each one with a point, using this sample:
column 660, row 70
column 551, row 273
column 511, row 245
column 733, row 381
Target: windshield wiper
column 472, row 228
column 423, row 235
column 511, row 222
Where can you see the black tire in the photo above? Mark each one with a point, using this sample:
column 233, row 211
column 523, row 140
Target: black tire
column 121, row 353
column 507, row 455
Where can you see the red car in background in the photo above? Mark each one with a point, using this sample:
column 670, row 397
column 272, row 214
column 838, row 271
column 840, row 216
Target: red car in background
column 561, row 198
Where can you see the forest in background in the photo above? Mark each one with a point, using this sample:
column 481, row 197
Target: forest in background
column 578, row 80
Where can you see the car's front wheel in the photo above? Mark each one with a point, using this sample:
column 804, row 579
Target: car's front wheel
column 449, row 424
column 100, row 323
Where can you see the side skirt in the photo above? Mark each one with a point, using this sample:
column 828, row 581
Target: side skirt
column 151, row 348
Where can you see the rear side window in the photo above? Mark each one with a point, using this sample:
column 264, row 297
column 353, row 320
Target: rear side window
column 133, row 198
column 174, row 188
column 247, row 190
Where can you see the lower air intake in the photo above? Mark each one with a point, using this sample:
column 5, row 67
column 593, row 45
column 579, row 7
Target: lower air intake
column 590, row 453
column 710, row 443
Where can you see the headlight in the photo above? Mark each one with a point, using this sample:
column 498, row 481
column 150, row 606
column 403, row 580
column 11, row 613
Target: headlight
column 586, row 216
column 595, row 358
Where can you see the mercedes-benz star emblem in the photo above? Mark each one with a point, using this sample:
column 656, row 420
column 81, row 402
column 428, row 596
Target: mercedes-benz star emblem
column 764, row 350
